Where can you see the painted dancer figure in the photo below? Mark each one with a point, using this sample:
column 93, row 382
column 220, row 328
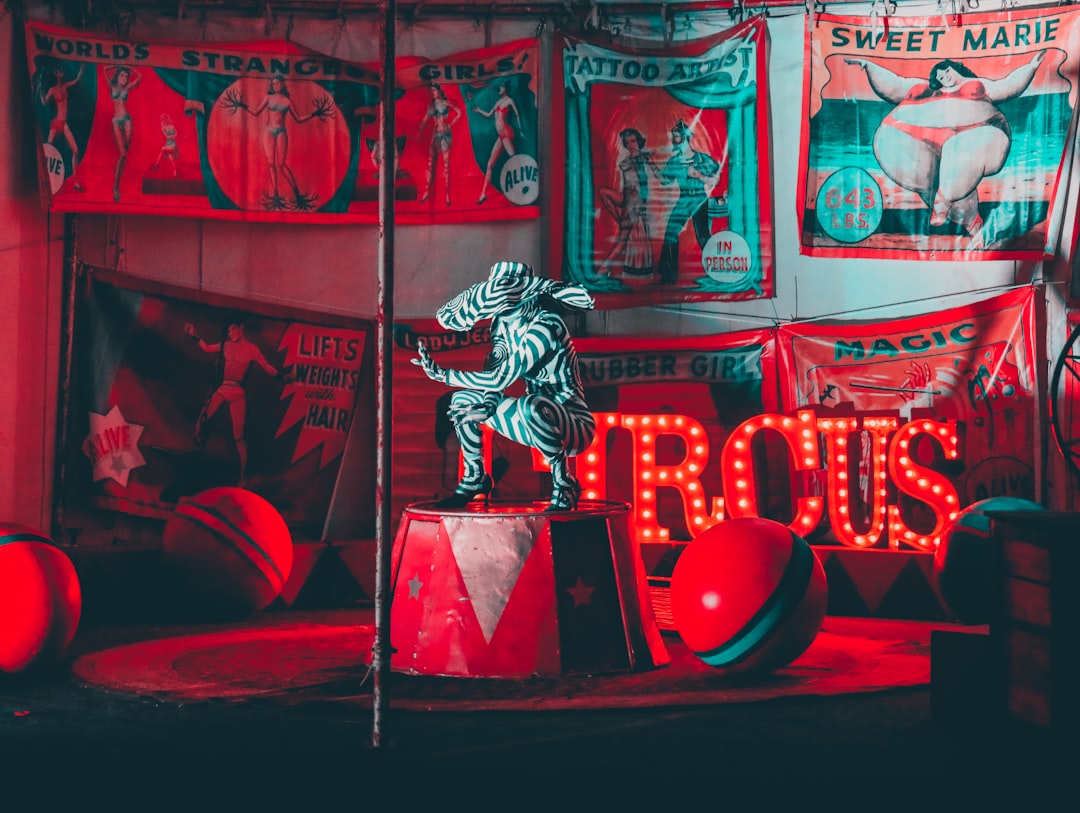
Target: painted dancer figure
column 122, row 80
column 442, row 114
column 504, row 133
column 169, row 150
column 946, row 133
column 57, row 95
column 278, row 106
column 531, row 344
column 236, row 354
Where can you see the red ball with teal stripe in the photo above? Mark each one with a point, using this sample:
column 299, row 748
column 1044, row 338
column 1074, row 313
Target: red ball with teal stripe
column 226, row 553
column 748, row 595
column 40, row 600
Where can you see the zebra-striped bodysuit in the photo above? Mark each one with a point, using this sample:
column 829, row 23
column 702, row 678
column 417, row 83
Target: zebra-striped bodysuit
column 530, row 344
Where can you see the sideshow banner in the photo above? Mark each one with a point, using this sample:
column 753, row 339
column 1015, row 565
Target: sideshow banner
column 715, row 381
column 667, row 192
column 467, row 131
column 270, row 131
column 972, row 364
column 937, row 138
column 175, row 394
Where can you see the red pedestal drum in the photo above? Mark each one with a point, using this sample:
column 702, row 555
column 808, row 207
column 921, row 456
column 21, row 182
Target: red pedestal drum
column 511, row 591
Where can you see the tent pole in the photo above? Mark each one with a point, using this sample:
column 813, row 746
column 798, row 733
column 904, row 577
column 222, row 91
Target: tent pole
column 383, row 374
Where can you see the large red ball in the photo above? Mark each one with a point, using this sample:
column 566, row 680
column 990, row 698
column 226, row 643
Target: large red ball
column 226, row 552
column 748, row 595
column 40, row 600
column 962, row 561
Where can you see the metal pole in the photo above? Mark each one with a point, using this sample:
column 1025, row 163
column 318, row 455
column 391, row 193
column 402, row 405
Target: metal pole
column 384, row 327
column 67, row 344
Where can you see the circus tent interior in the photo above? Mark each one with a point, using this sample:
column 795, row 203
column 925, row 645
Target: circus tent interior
column 837, row 339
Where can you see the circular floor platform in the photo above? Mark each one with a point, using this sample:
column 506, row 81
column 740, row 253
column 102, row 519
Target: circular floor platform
column 292, row 658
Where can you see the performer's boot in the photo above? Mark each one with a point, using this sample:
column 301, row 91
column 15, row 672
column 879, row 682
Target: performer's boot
column 566, row 490
column 467, row 490
column 475, row 481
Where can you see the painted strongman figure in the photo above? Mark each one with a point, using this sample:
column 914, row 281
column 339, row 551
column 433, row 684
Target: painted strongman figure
column 529, row 343
column 237, row 353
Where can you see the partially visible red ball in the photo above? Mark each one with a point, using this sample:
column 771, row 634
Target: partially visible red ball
column 40, row 600
column 962, row 561
column 748, row 595
column 226, row 553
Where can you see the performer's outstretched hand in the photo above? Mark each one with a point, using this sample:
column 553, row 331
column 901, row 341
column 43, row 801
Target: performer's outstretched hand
column 431, row 369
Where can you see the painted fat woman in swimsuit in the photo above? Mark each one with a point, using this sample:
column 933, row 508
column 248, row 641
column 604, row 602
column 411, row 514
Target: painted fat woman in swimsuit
column 946, row 134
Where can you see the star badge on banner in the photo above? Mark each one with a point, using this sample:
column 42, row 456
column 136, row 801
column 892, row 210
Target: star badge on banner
column 113, row 446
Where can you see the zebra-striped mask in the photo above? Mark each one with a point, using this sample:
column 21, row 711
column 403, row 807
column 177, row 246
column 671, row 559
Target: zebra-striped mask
column 508, row 286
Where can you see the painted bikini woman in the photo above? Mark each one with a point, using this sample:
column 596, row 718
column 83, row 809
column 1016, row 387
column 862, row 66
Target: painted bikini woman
column 442, row 114
column 122, row 80
column 945, row 134
column 278, row 106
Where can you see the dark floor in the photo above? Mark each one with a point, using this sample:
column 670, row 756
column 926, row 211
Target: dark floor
column 867, row 751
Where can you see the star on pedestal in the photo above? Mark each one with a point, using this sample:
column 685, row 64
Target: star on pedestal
column 414, row 586
column 581, row 592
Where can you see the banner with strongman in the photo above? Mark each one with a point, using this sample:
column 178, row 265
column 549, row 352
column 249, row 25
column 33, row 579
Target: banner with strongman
column 666, row 191
column 174, row 393
column 937, row 138
column 271, row 131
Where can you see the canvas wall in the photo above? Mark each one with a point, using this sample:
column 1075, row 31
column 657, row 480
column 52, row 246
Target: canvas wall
column 333, row 268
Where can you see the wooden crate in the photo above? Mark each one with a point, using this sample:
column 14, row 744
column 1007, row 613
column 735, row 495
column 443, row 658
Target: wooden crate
column 1035, row 615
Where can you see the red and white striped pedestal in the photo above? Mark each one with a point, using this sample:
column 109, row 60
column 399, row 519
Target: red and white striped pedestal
column 511, row 591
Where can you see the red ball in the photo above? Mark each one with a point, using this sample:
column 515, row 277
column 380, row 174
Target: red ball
column 226, row 552
column 40, row 600
column 962, row 562
column 748, row 595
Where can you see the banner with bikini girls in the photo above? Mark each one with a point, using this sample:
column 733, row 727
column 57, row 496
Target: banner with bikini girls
column 938, row 137
column 175, row 392
column 270, row 131
column 666, row 194
column 974, row 364
column 467, row 136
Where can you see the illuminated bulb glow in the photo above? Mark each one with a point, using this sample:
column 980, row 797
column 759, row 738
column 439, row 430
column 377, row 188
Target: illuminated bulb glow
column 890, row 458
column 928, row 486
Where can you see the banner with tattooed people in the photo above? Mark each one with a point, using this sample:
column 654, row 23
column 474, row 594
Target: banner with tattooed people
column 174, row 393
column 937, row 138
column 271, row 131
column 973, row 364
column 667, row 193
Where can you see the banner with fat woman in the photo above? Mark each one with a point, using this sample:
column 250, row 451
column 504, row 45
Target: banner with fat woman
column 665, row 152
column 937, row 138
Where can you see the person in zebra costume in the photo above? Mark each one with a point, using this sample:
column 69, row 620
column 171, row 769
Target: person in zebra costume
column 529, row 343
